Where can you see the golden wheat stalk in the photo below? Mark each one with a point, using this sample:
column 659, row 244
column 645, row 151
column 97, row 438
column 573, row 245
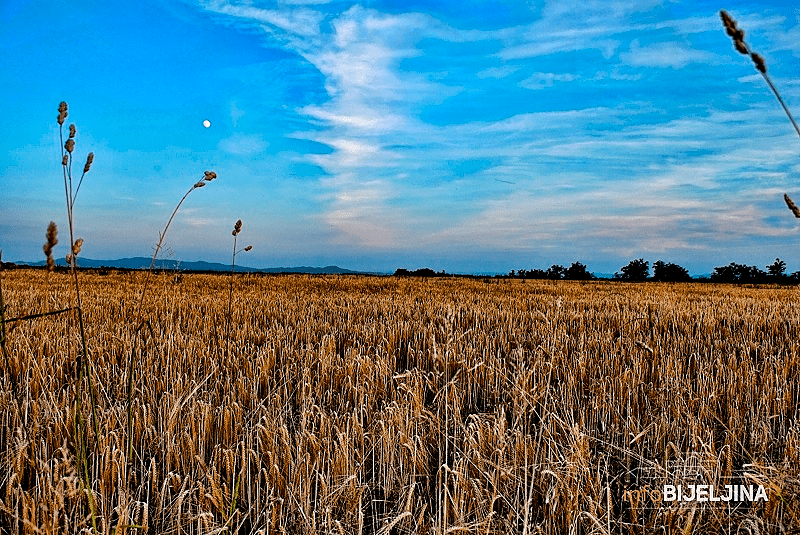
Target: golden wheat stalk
column 3, row 335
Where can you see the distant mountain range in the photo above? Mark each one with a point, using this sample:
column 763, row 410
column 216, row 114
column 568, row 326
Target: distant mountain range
column 141, row 262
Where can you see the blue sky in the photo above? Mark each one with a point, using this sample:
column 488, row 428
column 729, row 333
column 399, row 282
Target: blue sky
column 465, row 136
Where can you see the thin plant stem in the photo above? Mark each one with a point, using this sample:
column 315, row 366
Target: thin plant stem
column 161, row 237
column 237, row 228
column 84, row 367
column 228, row 319
column 140, row 323
column 34, row 316
column 782, row 103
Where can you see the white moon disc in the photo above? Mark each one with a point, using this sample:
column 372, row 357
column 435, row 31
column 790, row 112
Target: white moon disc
column 206, row 123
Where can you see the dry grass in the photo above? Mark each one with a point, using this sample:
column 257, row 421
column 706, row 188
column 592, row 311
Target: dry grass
column 386, row 405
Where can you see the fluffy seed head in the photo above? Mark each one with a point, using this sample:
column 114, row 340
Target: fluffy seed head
column 52, row 240
column 64, row 160
column 237, row 228
column 76, row 247
column 70, row 145
column 730, row 26
column 792, row 206
column 89, row 160
column 758, row 61
column 68, row 258
column 740, row 46
column 248, row 248
column 200, row 184
column 72, row 131
column 62, row 113
column 52, row 237
column 735, row 32
column 209, row 176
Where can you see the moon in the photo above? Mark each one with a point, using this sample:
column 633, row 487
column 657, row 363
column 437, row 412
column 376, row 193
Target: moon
column 207, row 123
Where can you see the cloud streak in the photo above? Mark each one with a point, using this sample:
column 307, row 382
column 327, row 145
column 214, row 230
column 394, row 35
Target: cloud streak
column 667, row 55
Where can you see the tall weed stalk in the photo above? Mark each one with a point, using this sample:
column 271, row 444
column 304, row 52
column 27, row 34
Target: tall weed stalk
column 237, row 228
column 141, row 323
column 737, row 35
column 83, row 362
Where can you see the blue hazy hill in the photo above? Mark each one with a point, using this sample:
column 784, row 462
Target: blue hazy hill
column 141, row 262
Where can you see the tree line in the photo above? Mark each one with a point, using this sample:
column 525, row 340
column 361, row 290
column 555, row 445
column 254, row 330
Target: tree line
column 639, row 271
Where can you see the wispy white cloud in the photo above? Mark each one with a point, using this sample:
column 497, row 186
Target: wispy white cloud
column 568, row 26
column 236, row 113
column 541, row 80
column 548, row 43
column 349, row 154
column 667, row 55
column 304, row 2
column 357, row 215
column 243, row 144
column 498, row 72
column 300, row 21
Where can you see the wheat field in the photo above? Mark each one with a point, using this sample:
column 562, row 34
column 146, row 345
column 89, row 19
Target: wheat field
column 360, row 405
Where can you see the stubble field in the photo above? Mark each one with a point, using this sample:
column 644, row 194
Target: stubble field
column 361, row 405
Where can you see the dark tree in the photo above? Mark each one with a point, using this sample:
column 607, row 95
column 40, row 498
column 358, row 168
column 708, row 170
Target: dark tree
column 668, row 272
column 555, row 272
column 423, row 272
column 531, row 274
column 738, row 273
column 577, row 271
column 777, row 270
column 635, row 271
column 724, row 273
